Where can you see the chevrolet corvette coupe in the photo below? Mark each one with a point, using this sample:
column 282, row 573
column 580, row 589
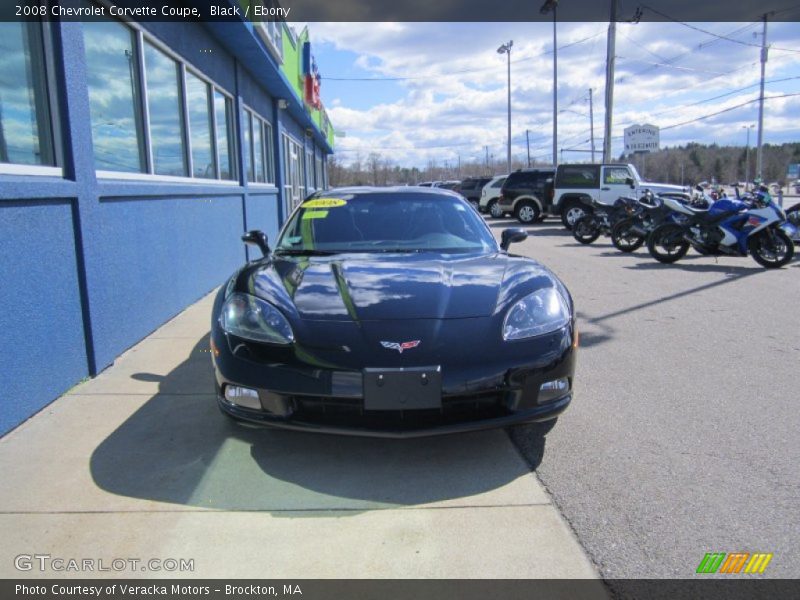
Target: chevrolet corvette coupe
column 392, row 312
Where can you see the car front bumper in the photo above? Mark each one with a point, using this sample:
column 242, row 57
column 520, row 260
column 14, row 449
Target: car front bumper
column 305, row 397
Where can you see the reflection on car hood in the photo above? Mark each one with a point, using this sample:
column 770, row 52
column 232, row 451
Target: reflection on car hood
column 374, row 287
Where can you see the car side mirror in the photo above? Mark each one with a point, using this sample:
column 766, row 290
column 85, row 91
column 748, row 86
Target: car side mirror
column 629, row 181
column 512, row 236
column 256, row 237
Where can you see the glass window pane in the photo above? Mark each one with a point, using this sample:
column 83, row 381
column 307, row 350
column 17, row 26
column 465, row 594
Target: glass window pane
column 258, row 150
column 111, row 73
column 197, row 100
column 166, row 114
column 24, row 116
column 222, row 108
column 270, row 153
column 248, row 144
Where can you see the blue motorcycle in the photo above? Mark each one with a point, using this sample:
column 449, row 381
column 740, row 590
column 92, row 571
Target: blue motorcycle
column 728, row 228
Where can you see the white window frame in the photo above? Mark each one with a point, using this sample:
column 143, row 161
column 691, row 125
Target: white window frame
column 233, row 139
column 267, row 153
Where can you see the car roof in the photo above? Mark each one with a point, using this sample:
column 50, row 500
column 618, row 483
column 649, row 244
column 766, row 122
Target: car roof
column 365, row 190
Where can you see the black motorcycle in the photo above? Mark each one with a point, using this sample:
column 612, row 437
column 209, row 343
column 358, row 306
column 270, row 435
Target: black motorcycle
column 602, row 219
column 630, row 233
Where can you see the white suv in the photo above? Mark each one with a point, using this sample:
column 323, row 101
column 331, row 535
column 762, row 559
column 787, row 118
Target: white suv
column 489, row 196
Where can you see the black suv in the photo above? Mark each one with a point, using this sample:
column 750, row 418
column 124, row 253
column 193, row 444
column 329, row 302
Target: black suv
column 471, row 189
column 526, row 194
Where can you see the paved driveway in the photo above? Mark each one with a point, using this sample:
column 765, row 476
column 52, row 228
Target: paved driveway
column 683, row 436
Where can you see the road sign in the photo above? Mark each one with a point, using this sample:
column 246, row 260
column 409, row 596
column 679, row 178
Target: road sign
column 641, row 138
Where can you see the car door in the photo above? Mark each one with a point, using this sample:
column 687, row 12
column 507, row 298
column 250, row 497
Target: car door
column 613, row 183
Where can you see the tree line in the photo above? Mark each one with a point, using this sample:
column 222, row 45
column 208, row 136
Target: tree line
column 685, row 165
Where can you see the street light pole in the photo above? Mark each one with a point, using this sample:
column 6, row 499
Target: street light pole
column 506, row 49
column 548, row 6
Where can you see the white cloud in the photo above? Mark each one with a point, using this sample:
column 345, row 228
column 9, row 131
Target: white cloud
column 461, row 112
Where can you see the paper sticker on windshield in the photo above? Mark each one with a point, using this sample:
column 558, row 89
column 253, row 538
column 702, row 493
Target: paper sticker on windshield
column 315, row 214
column 324, row 203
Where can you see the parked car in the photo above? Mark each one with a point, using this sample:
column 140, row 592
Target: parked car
column 489, row 196
column 577, row 185
column 525, row 194
column 448, row 185
column 471, row 189
column 366, row 317
column 429, row 184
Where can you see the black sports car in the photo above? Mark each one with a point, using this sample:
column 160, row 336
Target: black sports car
column 392, row 312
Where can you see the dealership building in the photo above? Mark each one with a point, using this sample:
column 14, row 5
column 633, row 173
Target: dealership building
column 132, row 157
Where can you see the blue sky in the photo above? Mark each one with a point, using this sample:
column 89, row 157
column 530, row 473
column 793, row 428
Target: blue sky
column 438, row 90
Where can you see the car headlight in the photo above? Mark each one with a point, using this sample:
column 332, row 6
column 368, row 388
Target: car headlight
column 543, row 311
column 251, row 318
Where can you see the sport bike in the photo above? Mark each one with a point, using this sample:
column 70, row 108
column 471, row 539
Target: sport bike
column 728, row 228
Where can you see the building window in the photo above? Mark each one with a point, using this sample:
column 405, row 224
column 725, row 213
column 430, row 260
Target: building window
column 188, row 120
column 271, row 32
column 198, row 103
column 318, row 183
column 258, row 149
column 25, row 123
column 310, row 175
column 293, row 181
column 165, row 109
column 222, row 117
column 111, row 72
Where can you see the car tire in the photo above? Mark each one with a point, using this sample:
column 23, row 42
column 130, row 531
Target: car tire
column 526, row 212
column 573, row 211
column 494, row 209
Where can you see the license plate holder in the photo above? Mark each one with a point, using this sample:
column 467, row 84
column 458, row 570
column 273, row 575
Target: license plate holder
column 412, row 388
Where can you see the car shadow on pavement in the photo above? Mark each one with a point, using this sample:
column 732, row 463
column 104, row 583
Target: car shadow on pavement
column 178, row 448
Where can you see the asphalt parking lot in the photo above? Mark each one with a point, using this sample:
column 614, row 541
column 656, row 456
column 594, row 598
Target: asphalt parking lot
column 683, row 435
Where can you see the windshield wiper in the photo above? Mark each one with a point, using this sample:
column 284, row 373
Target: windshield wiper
column 304, row 252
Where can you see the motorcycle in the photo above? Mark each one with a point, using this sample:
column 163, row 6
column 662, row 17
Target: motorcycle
column 602, row 218
column 630, row 233
column 793, row 219
column 728, row 227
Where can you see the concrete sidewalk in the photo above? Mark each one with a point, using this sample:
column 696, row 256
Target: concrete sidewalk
column 138, row 463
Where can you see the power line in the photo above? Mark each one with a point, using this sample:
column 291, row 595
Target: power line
column 719, row 112
column 716, row 35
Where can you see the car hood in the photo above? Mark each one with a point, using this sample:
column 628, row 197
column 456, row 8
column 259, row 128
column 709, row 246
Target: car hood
column 358, row 287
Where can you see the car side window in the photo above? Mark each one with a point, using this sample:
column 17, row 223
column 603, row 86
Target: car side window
column 615, row 175
column 578, row 176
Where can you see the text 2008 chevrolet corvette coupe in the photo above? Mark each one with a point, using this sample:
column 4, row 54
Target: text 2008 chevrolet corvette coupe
column 392, row 312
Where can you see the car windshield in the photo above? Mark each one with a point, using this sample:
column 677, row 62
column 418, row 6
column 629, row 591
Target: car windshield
column 385, row 222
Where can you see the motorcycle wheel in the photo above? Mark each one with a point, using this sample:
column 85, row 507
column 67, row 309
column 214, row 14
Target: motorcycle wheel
column 665, row 249
column 624, row 239
column 585, row 231
column 771, row 248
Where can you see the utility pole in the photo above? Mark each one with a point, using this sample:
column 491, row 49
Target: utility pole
column 486, row 148
column 528, row 144
column 591, row 120
column 610, row 57
column 459, row 166
column 747, row 157
column 764, row 52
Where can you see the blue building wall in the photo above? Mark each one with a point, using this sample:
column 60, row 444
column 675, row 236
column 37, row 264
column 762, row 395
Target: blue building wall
column 90, row 267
